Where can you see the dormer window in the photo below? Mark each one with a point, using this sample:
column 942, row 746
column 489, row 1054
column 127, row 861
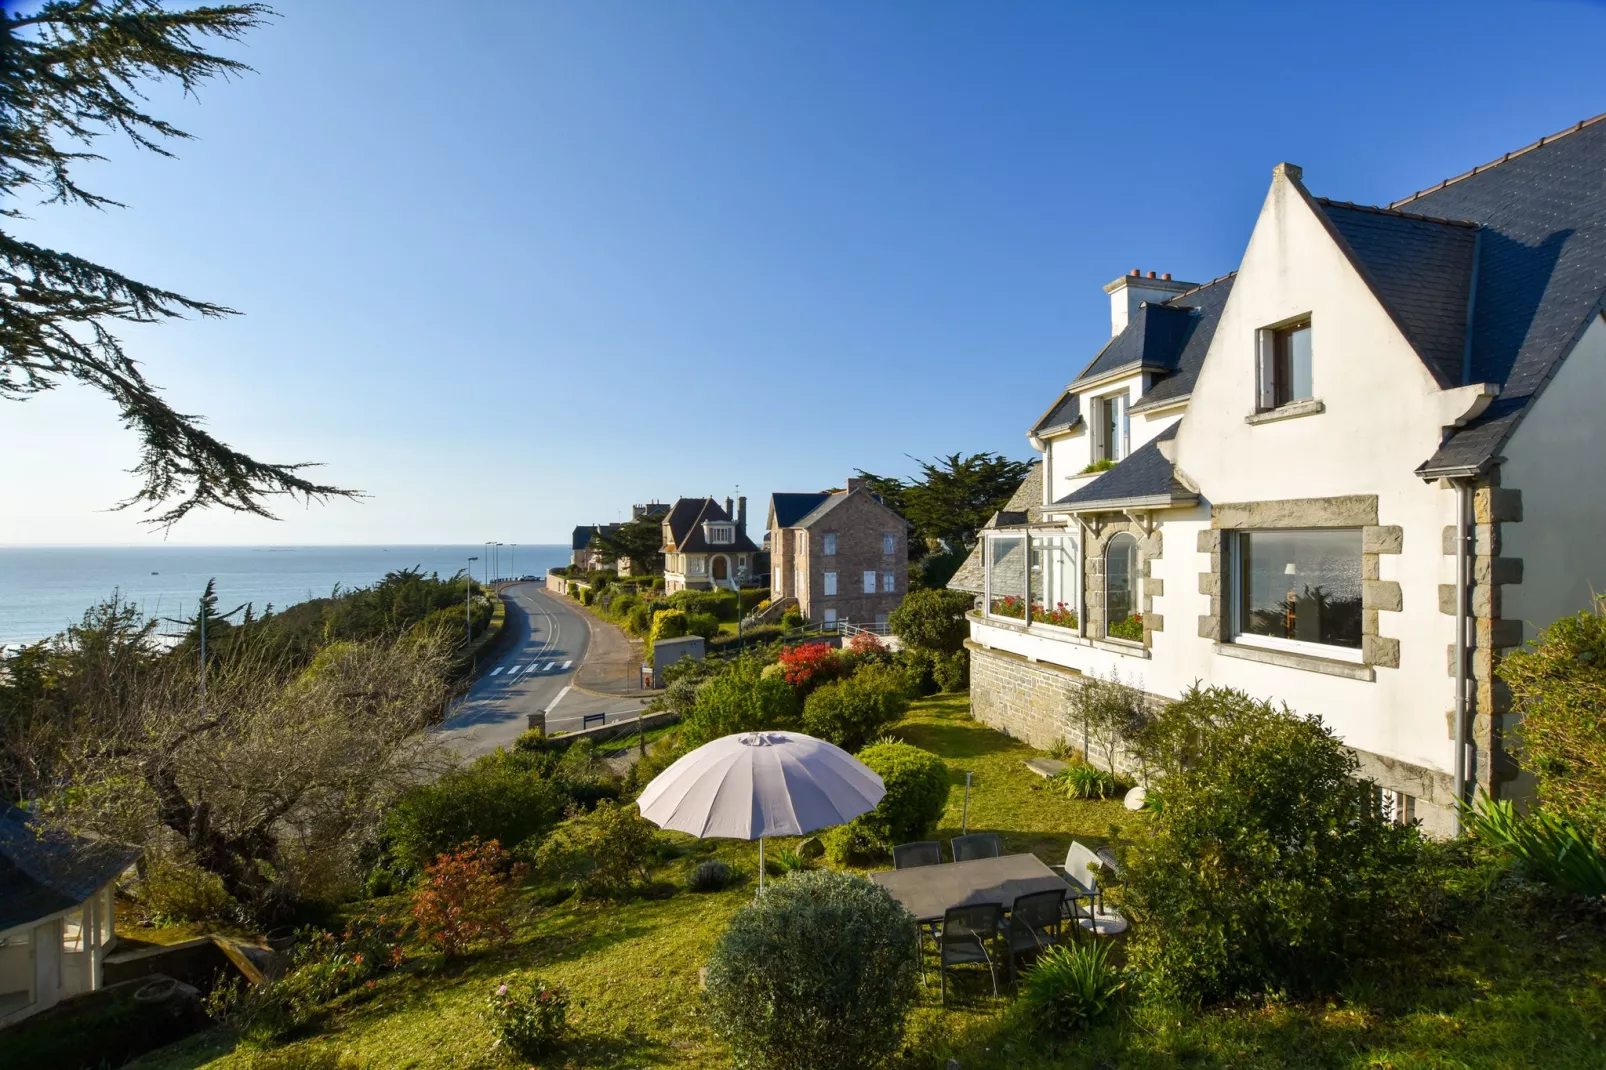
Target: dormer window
column 721, row 533
column 1110, row 427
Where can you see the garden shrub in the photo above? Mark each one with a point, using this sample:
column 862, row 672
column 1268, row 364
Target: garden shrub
column 710, row 876
column 739, row 699
column 917, row 793
column 528, row 1015
column 622, row 605
column 792, row 618
column 703, row 624
column 465, row 897
column 808, row 665
column 174, row 889
column 666, row 624
column 1083, row 781
column 586, row 596
column 574, row 590
column 853, row 845
column 932, row 619
column 1558, row 685
column 1548, row 846
column 499, row 797
column 604, row 854
column 752, row 636
column 638, row 620
column 951, row 672
column 1268, row 869
column 919, row 668
column 781, row 1004
column 1113, row 715
column 1070, row 988
column 866, row 645
column 852, row 712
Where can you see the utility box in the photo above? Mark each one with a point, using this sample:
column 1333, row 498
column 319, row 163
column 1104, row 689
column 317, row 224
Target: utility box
column 665, row 652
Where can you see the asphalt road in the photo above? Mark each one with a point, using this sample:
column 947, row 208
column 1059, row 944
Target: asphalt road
column 550, row 640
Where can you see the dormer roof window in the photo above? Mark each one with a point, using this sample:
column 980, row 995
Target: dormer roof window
column 720, row 533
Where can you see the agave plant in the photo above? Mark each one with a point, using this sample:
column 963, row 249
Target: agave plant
column 1082, row 781
column 1549, row 847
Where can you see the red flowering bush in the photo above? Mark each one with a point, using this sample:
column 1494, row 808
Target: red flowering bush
column 1130, row 629
column 1011, row 605
column 808, row 665
column 1061, row 616
column 465, row 897
column 864, row 643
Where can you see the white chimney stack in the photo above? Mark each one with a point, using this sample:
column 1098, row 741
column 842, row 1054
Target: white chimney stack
column 1130, row 291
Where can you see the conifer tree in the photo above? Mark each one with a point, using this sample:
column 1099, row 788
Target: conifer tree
column 70, row 72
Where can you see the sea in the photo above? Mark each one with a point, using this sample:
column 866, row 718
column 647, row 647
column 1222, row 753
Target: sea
column 43, row 589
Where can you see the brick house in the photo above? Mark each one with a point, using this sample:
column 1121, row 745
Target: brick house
column 1347, row 477
column 844, row 556
column 706, row 546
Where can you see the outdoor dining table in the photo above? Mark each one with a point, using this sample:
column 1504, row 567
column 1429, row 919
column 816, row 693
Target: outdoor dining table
column 928, row 891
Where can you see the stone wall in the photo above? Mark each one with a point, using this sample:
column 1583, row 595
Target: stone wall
column 859, row 523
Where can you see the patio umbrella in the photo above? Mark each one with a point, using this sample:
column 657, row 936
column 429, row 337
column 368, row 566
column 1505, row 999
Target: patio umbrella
column 757, row 784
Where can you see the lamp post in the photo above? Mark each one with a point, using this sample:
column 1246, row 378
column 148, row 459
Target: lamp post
column 468, row 602
column 512, row 562
column 496, row 548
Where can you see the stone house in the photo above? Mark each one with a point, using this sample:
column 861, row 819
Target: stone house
column 706, row 546
column 1346, row 476
column 585, row 556
column 57, row 913
column 844, row 556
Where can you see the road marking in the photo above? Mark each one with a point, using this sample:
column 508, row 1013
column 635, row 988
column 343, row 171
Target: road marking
column 566, row 665
column 554, row 703
column 514, row 671
column 496, row 670
column 550, row 666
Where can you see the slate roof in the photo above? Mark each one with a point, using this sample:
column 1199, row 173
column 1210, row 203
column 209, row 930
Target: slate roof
column 1421, row 270
column 692, row 540
column 1145, row 474
column 788, row 508
column 1024, row 506
column 682, row 515
column 1063, row 415
column 44, row 872
column 1207, row 301
column 1151, row 339
column 584, row 534
column 1541, row 272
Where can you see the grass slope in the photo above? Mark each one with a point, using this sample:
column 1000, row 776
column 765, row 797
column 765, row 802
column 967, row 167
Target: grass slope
column 1516, row 992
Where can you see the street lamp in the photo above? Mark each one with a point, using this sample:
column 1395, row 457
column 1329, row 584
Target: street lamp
column 496, row 548
column 468, row 601
column 512, row 562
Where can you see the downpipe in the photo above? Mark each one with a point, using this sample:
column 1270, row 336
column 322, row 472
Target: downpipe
column 1463, row 533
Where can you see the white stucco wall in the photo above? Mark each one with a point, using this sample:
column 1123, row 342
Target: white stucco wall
column 1383, row 416
column 1555, row 458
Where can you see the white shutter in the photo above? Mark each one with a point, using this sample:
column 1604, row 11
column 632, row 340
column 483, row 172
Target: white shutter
column 1265, row 370
column 869, row 583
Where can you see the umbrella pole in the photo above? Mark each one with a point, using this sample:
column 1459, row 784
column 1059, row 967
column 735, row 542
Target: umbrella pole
column 761, row 863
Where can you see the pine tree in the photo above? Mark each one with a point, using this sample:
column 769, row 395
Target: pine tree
column 70, row 73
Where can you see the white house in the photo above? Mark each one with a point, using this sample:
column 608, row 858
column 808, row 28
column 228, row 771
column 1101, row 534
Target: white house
column 705, row 546
column 57, row 915
column 1346, row 476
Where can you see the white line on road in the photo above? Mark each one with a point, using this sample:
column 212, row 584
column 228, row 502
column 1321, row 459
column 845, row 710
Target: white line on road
column 566, row 665
column 550, row 706
column 496, row 670
column 514, row 671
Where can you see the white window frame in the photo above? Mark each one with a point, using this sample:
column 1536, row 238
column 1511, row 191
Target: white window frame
column 829, row 617
column 1266, row 363
column 828, row 584
column 1239, row 637
column 721, row 533
column 828, row 544
column 869, row 581
column 1118, row 450
column 1078, row 598
column 889, row 582
column 889, row 544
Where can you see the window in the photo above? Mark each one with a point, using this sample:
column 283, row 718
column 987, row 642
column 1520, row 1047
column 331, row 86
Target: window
column 1111, row 427
column 888, row 582
column 829, row 539
column 869, row 582
column 830, row 583
column 721, row 533
column 1006, row 576
column 881, row 621
column 72, row 932
column 695, row 566
column 1395, row 807
column 1121, row 617
column 775, row 582
column 889, row 544
column 1298, row 588
column 16, row 971
column 1285, row 366
column 1053, row 580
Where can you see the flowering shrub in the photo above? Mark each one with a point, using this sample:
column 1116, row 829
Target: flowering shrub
column 1061, row 616
column 808, row 665
column 1130, row 628
column 529, row 1015
column 1011, row 605
column 864, row 643
column 465, row 895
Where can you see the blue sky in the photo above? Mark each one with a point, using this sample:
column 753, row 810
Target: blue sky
column 510, row 267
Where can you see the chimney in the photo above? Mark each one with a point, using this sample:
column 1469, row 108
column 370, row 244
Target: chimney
column 853, row 484
column 741, row 514
column 727, row 506
column 1130, row 291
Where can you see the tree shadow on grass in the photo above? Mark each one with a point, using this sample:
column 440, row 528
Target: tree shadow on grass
column 955, row 741
column 627, row 1047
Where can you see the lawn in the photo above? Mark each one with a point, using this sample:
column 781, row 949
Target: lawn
column 1514, row 993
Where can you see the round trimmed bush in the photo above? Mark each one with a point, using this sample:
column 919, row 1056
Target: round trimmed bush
column 917, row 792
column 852, row 712
column 817, row 972
column 710, row 876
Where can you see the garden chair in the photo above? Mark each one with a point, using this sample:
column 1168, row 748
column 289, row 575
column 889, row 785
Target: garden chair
column 1082, row 867
column 977, row 845
column 911, row 855
column 1035, row 924
column 969, row 935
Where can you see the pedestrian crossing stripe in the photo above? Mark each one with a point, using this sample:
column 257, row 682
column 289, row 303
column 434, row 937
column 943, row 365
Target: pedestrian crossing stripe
column 566, row 665
column 496, row 670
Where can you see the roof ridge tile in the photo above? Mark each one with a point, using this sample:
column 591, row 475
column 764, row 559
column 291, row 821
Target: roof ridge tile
column 1329, row 202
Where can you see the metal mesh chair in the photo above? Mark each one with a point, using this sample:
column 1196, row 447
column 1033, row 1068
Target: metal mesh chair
column 969, row 935
column 977, row 845
column 912, row 855
column 1034, row 925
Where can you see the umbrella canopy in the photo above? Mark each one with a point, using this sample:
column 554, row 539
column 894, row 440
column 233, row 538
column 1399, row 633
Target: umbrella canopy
column 757, row 784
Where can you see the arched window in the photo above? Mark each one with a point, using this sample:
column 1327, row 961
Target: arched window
column 1121, row 617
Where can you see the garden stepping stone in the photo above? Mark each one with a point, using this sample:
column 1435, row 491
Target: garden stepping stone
column 1046, row 767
